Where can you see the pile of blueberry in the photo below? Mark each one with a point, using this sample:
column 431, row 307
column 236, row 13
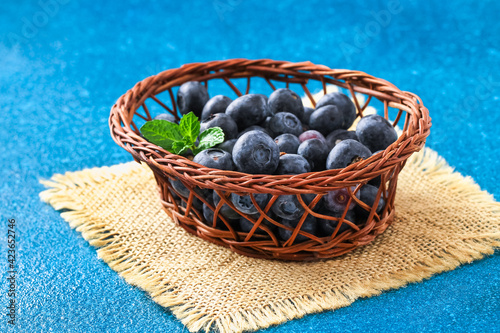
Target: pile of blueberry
column 278, row 135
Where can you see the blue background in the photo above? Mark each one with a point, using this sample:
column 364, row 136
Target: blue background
column 63, row 66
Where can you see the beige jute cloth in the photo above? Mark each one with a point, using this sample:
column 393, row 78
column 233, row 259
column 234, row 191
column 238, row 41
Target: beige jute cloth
column 443, row 220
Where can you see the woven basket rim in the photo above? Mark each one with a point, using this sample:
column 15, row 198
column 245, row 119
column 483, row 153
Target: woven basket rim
column 409, row 141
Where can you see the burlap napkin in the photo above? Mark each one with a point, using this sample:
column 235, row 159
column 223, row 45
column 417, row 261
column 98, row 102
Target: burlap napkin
column 443, row 220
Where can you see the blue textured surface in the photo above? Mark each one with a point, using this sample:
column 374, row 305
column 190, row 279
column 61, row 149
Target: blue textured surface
column 61, row 72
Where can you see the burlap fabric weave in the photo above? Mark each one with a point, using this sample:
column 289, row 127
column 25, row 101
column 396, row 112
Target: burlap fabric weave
column 443, row 220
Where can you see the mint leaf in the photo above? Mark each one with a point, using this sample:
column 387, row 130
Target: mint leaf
column 180, row 147
column 178, row 139
column 209, row 138
column 162, row 133
column 190, row 128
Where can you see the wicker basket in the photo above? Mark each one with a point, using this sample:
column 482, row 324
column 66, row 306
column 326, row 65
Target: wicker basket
column 263, row 239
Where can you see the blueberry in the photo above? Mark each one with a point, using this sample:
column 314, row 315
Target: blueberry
column 216, row 104
column 287, row 143
column 343, row 104
column 326, row 119
column 309, row 225
column 292, row 164
column 215, row 158
column 376, row 132
column 179, row 187
column 165, row 116
column 244, row 203
column 345, row 153
column 208, row 214
column 315, row 152
column 285, row 100
column 311, row 134
column 192, row 96
column 225, row 210
column 246, row 225
column 227, row 145
column 368, row 196
column 287, row 207
column 306, row 115
column 264, row 97
column 255, row 152
column 253, row 128
column 339, row 135
column 327, row 227
column 223, row 121
column 336, row 200
column 285, row 122
column 248, row 110
column 268, row 111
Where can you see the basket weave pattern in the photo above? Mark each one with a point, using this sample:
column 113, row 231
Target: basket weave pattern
column 263, row 241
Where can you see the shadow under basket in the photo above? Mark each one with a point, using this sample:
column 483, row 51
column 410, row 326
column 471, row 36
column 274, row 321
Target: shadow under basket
column 208, row 202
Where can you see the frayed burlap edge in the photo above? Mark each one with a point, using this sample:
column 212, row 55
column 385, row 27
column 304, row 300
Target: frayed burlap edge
column 139, row 274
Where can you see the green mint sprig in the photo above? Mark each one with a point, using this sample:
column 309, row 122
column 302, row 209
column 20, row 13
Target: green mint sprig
column 178, row 138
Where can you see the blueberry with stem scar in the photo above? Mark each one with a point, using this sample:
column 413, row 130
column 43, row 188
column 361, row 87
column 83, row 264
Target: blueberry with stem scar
column 285, row 122
column 338, row 136
column 244, row 203
column 336, row 200
column 215, row 158
column 255, row 152
column 345, row 153
column 287, row 207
